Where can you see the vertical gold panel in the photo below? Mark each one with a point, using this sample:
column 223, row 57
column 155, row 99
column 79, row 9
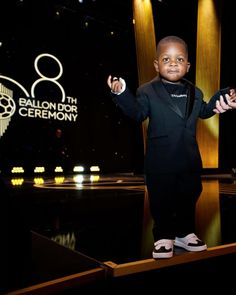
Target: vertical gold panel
column 208, row 76
column 145, row 40
column 146, row 52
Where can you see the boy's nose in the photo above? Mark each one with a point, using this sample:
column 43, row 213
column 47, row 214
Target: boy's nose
column 173, row 62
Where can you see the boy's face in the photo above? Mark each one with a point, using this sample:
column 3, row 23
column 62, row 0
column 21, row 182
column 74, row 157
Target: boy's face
column 172, row 61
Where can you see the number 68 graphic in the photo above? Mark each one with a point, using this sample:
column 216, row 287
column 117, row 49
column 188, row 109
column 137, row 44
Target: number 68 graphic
column 42, row 78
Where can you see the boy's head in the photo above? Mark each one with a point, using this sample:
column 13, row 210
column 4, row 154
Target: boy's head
column 172, row 59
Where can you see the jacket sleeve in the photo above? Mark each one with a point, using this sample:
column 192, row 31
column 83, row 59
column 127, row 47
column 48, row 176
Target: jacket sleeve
column 133, row 106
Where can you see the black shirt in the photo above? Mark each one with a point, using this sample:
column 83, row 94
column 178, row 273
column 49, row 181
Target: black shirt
column 179, row 95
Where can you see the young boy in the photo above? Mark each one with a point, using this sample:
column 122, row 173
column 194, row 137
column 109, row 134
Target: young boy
column 173, row 163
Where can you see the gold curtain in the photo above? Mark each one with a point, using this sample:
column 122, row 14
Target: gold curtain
column 208, row 76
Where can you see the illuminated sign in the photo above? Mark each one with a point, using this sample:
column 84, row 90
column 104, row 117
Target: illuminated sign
column 29, row 106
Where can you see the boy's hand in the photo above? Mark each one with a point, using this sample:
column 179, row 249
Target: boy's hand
column 117, row 85
column 232, row 94
column 222, row 106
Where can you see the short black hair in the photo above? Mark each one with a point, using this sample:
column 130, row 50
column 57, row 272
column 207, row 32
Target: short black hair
column 172, row 39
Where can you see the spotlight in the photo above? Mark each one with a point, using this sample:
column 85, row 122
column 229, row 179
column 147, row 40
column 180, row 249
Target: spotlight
column 78, row 169
column 94, row 169
column 17, row 170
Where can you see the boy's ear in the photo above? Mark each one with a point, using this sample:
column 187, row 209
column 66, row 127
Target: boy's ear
column 155, row 63
column 188, row 66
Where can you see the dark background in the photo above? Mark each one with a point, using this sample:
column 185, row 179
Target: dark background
column 79, row 35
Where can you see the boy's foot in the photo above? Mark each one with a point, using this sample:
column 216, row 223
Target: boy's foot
column 163, row 249
column 190, row 243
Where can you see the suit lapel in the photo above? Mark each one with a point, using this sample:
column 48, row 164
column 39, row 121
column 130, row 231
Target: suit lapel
column 165, row 97
column 191, row 98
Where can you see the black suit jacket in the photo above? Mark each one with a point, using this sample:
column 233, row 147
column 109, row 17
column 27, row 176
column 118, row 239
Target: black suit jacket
column 171, row 137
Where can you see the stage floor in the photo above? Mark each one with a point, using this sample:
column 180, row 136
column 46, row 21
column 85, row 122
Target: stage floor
column 106, row 217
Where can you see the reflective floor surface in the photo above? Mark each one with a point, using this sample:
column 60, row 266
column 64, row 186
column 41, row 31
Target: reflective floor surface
column 106, row 217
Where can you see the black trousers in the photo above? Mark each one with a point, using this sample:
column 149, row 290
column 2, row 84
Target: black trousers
column 172, row 200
